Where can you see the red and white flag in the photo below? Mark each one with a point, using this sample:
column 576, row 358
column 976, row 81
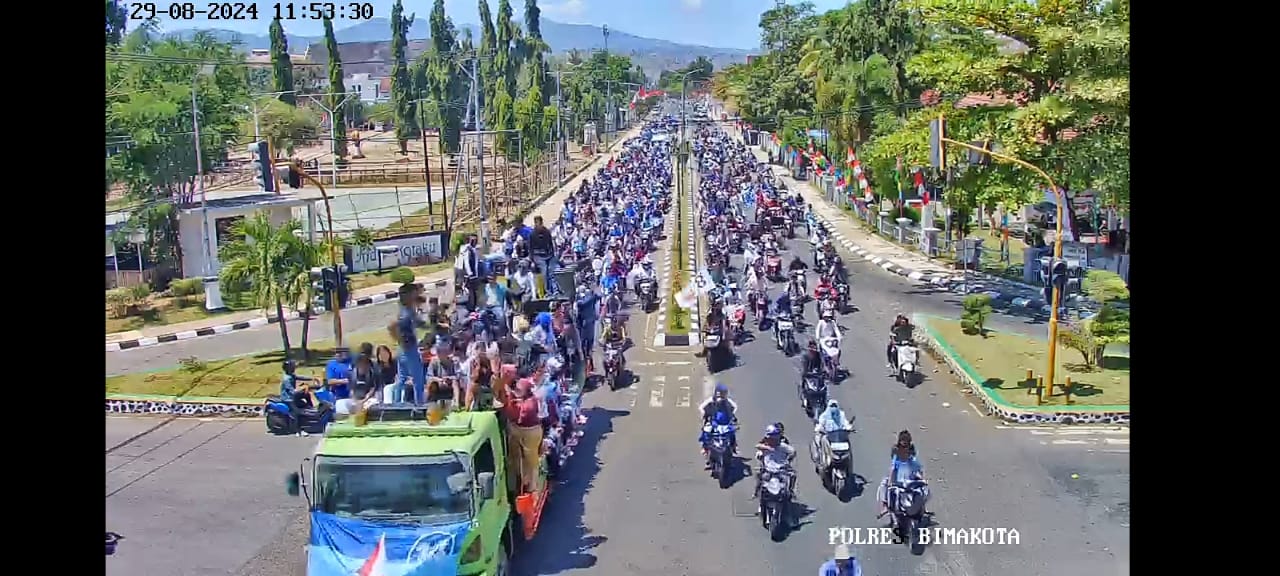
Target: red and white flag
column 376, row 565
column 918, row 177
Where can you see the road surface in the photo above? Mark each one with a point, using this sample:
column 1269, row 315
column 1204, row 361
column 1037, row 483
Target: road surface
column 638, row 502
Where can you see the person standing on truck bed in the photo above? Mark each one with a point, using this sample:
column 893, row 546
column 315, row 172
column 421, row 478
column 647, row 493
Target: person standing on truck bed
column 409, row 362
column 526, row 432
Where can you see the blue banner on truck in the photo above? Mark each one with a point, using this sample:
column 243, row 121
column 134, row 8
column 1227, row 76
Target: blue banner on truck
column 346, row 547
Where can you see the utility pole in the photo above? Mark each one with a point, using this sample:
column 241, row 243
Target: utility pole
column 426, row 160
column 479, row 127
column 333, row 129
column 608, row 88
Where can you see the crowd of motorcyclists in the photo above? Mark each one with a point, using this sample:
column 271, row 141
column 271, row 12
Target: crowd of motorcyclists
column 741, row 210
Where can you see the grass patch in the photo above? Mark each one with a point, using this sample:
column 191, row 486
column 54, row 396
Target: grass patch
column 418, row 222
column 166, row 310
column 677, row 317
column 1002, row 359
column 252, row 376
column 362, row 280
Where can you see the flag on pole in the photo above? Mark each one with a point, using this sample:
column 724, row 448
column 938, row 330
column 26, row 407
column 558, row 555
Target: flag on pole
column 850, row 157
column 376, row 565
column 920, row 188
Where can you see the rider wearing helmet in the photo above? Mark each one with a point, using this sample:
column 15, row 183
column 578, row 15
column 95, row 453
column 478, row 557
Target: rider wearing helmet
column 824, row 288
column 774, row 456
column 811, row 362
column 842, row 564
column 717, row 403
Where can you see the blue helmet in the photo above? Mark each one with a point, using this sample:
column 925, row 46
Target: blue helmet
column 722, row 389
column 772, row 431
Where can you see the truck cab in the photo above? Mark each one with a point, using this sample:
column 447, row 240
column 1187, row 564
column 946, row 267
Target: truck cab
column 392, row 491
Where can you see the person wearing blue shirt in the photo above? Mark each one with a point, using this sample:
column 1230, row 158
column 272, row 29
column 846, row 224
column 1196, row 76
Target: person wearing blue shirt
column 588, row 308
column 843, row 564
column 409, row 361
column 337, row 374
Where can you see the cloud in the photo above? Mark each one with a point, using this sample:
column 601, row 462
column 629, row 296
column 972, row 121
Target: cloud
column 566, row 9
column 692, row 4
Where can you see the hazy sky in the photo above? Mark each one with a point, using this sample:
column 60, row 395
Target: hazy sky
column 726, row 23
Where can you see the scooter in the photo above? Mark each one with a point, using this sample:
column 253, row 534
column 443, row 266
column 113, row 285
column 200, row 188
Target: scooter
column 738, row 316
column 784, row 335
column 830, row 356
column 842, row 294
column 773, row 266
column 907, row 506
column 648, row 294
column 712, row 344
column 798, row 281
column 719, row 452
column 813, row 394
column 908, row 362
column 834, row 464
column 613, row 364
column 289, row 416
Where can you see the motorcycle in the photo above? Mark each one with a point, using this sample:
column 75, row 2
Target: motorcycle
column 648, row 293
column 613, row 366
column 719, row 452
column 799, row 282
column 908, row 362
column 759, row 306
column 773, row 266
column 738, row 316
column 775, row 502
column 830, row 352
column 784, row 336
column 842, row 294
column 813, row 394
column 790, row 227
column 832, row 458
column 906, row 503
column 284, row 416
column 797, row 306
column 711, row 345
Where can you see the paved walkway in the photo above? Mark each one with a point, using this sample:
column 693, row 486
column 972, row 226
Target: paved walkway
column 549, row 209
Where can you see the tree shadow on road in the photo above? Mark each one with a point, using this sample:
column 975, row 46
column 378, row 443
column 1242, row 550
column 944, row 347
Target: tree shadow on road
column 564, row 542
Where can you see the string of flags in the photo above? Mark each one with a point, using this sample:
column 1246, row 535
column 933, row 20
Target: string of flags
column 643, row 94
column 855, row 172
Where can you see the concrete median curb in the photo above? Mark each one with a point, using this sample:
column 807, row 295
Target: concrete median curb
column 993, row 405
column 360, row 302
column 186, row 406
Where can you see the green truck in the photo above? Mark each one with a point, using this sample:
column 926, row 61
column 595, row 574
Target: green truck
column 395, row 494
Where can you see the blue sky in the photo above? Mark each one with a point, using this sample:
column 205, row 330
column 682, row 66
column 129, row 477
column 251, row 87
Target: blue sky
column 727, row 23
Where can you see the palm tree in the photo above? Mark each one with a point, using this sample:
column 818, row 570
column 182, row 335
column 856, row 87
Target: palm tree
column 265, row 258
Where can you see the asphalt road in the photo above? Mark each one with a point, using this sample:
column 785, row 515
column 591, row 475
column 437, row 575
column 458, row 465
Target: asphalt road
column 195, row 497
column 637, row 500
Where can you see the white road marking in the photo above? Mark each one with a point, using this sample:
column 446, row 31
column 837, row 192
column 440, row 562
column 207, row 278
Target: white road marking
column 655, row 394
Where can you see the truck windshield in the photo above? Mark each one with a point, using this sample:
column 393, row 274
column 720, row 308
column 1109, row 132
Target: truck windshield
column 417, row 490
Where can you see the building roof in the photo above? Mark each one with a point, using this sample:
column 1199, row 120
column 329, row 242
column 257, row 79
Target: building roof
column 253, row 201
column 372, row 58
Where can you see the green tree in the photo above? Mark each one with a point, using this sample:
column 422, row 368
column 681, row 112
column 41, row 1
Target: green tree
column 506, row 65
column 402, row 92
column 282, row 64
column 282, row 125
column 116, row 20
column 443, row 78
column 264, row 260
column 337, row 88
column 148, row 106
column 488, row 61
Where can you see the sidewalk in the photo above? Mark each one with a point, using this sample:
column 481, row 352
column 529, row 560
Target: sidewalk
column 898, row 259
column 548, row 207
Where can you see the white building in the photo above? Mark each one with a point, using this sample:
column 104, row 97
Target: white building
column 371, row 90
column 225, row 211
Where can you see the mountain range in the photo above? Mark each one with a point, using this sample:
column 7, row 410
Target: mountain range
column 654, row 55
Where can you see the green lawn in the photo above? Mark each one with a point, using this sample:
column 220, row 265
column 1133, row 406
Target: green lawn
column 1002, row 359
column 363, row 280
column 164, row 310
column 677, row 317
column 252, row 376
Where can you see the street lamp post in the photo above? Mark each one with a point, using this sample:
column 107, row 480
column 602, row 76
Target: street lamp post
column 1057, row 249
column 212, row 293
column 333, row 252
column 333, row 129
column 608, row 89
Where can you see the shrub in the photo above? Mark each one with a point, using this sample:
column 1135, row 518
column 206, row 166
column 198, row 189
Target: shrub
column 1105, row 286
column 402, row 275
column 118, row 302
column 974, row 318
column 139, row 293
column 1078, row 337
column 186, row 287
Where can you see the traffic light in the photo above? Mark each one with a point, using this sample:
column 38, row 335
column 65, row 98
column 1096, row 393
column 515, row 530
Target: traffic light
column 334, row 282
column 319, row 289
column 1056, row 278
column 260, row 163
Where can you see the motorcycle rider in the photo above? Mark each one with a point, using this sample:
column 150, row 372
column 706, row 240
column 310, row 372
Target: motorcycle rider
column 642, row 273
column 826, row 329
column 841, row 564
column 904, row 468
column 781, row 310
column 720, row 419
column 774, row 456
column 717, row 403
column 811, row 363
column 899, row 331
column 824, row 288
column 832, row 419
